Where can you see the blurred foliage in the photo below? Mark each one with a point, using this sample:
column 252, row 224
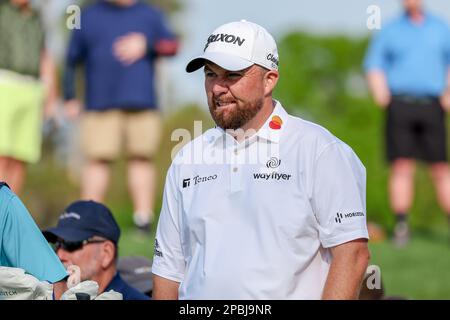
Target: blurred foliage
column 321, row 79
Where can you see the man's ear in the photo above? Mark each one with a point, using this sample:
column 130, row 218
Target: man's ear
column 270, row 81
column 108, row 253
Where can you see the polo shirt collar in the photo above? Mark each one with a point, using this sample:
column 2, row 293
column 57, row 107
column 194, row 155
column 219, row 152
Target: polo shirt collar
column 271, row 130
column 274, row 125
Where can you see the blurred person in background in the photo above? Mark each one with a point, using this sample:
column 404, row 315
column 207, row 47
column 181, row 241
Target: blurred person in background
column 118, row 43
column 137, row 272
column 23, row 246
column 87, row 236
column 408, row 71
column 27, row 82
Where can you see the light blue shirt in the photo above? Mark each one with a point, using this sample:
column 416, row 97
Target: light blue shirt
column 414, row 57
column 22, row 244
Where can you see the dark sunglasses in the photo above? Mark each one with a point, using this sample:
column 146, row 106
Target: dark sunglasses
column 72, row 246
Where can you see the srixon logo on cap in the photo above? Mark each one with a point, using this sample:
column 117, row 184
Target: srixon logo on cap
column 223, row 37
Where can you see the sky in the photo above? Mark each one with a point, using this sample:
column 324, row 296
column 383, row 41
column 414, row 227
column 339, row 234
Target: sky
column 200, row 17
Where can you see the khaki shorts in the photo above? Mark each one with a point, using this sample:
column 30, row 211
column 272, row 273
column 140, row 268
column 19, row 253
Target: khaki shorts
column 104, row 134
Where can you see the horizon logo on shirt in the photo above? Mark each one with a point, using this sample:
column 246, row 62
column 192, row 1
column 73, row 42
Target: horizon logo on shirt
column 342, row 216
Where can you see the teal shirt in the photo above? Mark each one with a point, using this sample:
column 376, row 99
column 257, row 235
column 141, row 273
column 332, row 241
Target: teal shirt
column 22, row 244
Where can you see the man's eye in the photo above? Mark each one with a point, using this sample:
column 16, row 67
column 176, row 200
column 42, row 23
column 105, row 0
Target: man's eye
column 234, row 75
column 209, row 74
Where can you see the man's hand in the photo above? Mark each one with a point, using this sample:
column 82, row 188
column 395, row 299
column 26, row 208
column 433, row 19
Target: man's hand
column 379, row 88
column 72, row 109
column 59, row 288
column 50, row 107
column 445, row 100
column 130, row 48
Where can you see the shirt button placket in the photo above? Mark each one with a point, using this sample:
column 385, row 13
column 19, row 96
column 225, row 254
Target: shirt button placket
column 235, row 171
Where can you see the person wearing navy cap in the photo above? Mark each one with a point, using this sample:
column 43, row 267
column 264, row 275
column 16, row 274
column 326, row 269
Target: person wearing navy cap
column 87, row 236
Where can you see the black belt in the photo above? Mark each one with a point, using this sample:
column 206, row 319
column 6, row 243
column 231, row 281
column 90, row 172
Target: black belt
column 415, row 99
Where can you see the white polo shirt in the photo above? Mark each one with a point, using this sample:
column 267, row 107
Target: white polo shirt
column 255, row 220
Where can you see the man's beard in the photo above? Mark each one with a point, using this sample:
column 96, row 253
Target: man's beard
column 237, row 117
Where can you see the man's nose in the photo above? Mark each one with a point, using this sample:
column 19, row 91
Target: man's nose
column 62, row 255
column 219, row 87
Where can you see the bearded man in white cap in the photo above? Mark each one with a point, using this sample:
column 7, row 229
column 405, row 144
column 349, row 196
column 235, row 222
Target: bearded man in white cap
column 265, row 205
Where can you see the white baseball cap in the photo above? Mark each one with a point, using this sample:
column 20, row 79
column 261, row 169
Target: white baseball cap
column 238, row 45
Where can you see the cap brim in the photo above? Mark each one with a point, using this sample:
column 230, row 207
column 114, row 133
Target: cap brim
column 67, row 234
column 226, row 61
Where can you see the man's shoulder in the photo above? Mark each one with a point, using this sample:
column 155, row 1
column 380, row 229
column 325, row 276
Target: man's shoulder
column 308, row 131
column 147, row 7
column 6, row 196
column 196, row 144
column 149, row 11
column 93, row 7
column 438, row 21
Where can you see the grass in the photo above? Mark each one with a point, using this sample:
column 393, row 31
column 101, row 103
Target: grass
column 135, row 243
column 421, row 270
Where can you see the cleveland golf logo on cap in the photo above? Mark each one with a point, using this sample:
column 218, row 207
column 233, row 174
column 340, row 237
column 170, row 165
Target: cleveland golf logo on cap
column 272, row 58
column 228, row 38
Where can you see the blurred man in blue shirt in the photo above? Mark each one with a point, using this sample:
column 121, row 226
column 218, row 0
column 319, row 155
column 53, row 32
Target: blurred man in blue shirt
column 22, row 244
column 408, row 69
column 118, row 42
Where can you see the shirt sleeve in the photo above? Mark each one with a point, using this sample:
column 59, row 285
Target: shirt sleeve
column 158, row 31
column 168, row 260
column 25, row 247
column 162, row 30
column 339, row 195
column 376, row 56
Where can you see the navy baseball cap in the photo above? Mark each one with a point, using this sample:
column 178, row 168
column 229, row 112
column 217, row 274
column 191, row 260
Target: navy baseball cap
column 82, row 220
